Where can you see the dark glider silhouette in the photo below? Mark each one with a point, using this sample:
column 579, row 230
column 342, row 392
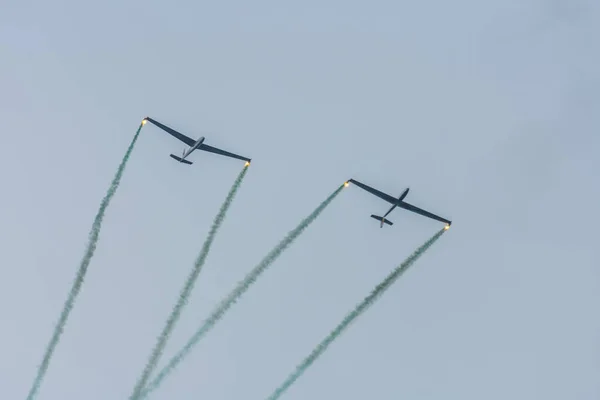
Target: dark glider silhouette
column 397, row 202
column 194, row 144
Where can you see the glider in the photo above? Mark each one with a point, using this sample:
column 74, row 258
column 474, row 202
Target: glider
column 194, row 144
column 397, row 202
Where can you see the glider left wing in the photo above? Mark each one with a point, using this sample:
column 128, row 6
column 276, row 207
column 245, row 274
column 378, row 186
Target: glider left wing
column 424, row 213
column 211, row 149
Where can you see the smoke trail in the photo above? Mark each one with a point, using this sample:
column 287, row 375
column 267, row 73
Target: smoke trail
column 85, row 262
column 350, row 317
column 242, row 286
column 187, row 289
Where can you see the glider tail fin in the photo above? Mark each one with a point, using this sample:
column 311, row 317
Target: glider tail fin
column 382, row 219
column 181, row 159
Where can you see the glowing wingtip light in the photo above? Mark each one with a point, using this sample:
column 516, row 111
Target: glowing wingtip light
column 346, row 184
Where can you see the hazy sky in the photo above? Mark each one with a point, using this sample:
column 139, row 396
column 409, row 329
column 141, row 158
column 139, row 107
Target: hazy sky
column 487, row 110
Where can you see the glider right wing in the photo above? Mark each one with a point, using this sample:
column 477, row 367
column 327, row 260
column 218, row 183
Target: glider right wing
column 187, row 140
column 376, row 192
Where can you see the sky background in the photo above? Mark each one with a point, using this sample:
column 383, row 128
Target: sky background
column 488, row 111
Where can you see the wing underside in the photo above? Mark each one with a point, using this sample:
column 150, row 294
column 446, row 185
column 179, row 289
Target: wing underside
column 424, row 213
column 187, row 140
column 211, row 149
column 376, row 192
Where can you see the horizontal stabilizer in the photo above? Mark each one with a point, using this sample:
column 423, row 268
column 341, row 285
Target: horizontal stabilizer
column 378, row 218
column 181, row 159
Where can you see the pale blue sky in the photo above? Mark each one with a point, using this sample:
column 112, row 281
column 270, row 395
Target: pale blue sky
column 487, row 110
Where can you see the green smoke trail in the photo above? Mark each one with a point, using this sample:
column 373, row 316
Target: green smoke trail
column 350, row 317
column 85, row 262
column 242, row 286
column 187, row 289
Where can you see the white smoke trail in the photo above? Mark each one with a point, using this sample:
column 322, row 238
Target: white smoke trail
column 85, row 262
column 350, row 317
column 231, row 299
column 188, row 287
